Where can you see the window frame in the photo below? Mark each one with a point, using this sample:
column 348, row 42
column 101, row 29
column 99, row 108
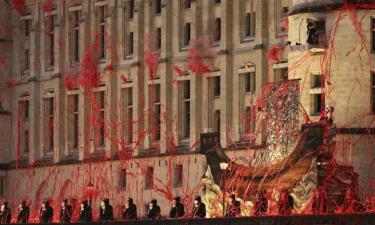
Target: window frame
column 149, row 178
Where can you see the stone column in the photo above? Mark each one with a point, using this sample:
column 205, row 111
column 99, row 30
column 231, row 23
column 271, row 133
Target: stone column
column 226, row 72
column 139, row 87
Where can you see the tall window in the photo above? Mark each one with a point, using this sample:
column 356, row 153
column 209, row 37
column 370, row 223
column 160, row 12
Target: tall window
column 26, row 110
column 187, row 4
column 218, row 29
column 373, row 92
column 51, row 39
column 217, row 86
column 319, row 102
column 187, row 34
column 101, row 30
column 249, row 123
column 123, row 179
column 250, row 83
column 75, row 121
column 26, row 28
column 27, row 64
column 50, row 118
column 131, row 3
column 217, row 121
column 101, row 117
column 27, row 141
column 373, row 33
column 248, row 24
column 158, row 38
column 1, row 186
column 155, row 98
column 131, row 43
column 149, row 178
column 158, row 6
column 179, row 176
column 75, row 17
column 186, row 88
column 284, row 16
column 128, row 115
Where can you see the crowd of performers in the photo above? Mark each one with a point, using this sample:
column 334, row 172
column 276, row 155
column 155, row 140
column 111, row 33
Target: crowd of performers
column 284, row 206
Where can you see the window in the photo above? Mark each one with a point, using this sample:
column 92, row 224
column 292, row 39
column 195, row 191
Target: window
column 123, row 179
column 284, row 18
column 248, row 24
column 158, row 122
column 27, row 64
column 156, row 95
column 217, row 29
column 26, row 110
column 187, row 34
column 281, row 74
column 26, row 141
column 253, row 24
column 27, row 28
column 187, row 89
column 320, row 32
column 158, row 6
column 149, row 178
column 250, row 84
column 101, row 118
column 50, row 120
column 101, row 31
column 158, row 38
column 373, row 33
column 187, row 119
column 249, row 123
column 155, row 100
column 128, row 115
column 317, row 81
column 75, row 123
column 1, row 186
column 131, row 43
column 319, row 102
column 217, row 121
column 179, row 176
column 217, row 1
column 51, row 39
column 373, row 92
column 75, row 17
column 187, row 4
column 217, row 86
column 131, row 9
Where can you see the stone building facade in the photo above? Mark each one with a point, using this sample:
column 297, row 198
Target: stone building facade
column 46, row 126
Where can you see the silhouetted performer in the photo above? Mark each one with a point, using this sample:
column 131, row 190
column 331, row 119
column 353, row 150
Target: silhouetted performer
column 311, row 31
column 130, row 212
column 285, row 202
column 258, row 203
column 320, row 202
column 85, row 212
column 66, row 212
column 46, row 213
column 154, row 212
column 24, row 213
column 199, row 209
column 5, row 213
column 106, row 211
column 264, row 202
column 177, row 210
column 233, row 208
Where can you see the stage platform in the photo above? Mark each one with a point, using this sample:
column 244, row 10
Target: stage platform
column 338, row 219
